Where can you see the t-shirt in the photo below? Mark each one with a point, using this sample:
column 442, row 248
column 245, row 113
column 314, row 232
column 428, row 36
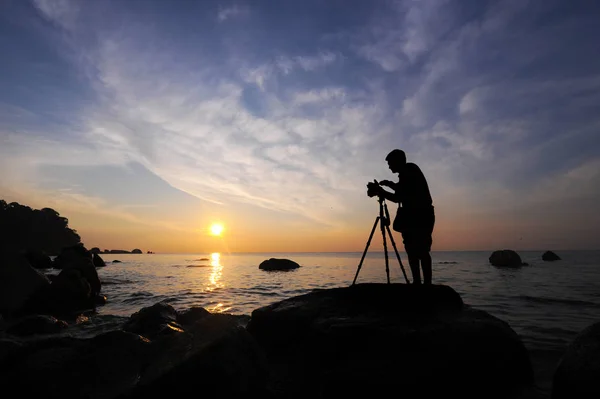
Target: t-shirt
column 412, row 189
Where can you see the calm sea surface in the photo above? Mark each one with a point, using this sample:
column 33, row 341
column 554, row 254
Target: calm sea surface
column 546, row 303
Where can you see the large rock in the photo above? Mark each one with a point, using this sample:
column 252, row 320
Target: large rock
column 153, row 321
column 69, row 293
column 550, row 256
column 102, row 367
column 18, row 283
column 71, row 255
column 578, row 373
column 372, row 339
column 97, row 260
column 36, row 324
column 505, row 258
column 87, row 270
column 214, row 357
column 38, row 259
column 278, row 264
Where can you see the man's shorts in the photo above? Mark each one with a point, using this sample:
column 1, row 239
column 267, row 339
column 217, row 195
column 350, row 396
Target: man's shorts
column 417, row 233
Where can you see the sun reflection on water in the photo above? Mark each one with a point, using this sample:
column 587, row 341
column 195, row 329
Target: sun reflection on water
column 215, row 281
column 217, row 271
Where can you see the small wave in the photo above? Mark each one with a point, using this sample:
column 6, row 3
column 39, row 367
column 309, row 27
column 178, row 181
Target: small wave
column 142, row 294
column 540, row 299
column 447, row 263
column 114, row 281
column 198, row 266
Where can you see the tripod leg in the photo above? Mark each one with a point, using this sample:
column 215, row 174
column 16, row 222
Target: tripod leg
column 397, row 254
column 366, row 249
column 385, row 252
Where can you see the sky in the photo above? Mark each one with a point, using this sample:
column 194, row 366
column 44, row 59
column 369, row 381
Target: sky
column 144, row 122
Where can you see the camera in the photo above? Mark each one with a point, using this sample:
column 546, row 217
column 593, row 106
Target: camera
column 373, row 188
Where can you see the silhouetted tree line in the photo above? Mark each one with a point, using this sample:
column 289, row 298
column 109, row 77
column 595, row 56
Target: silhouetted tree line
column 25, row 229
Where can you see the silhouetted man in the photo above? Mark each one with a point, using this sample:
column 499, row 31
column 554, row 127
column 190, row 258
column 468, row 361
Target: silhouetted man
column 415, row 218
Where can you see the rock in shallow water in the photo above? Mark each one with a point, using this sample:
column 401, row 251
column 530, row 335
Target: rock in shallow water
column 506, row 258
column 550, row 256
column 371, row 339
column 278, row 264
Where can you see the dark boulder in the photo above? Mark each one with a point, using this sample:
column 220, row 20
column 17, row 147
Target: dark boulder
column 214, row 356
column 38, row 259
column 87, row 270
column 98, row 261
column 8, row 347
column 153, row 321
column 65, row 367
column 278, row 264
column 69, row 294
column 578, row 372
column 19, row 282
column 550, row 256
column 192, row 315
column 72, row 254
column 371, row 339
column 506, row 258
column 36, row 325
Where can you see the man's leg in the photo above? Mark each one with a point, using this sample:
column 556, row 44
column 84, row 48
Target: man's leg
column 426, row 265
column 426, row 248
column 413, row 261
column 413, row 255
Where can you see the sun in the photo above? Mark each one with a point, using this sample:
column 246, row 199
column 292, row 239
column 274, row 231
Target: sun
column 216, row 229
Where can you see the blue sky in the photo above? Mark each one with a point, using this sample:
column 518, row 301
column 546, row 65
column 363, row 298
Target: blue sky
column 271, row 116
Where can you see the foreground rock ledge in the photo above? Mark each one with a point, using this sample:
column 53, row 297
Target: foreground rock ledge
column 577, row 373
column 379, row 338
column 158, row 353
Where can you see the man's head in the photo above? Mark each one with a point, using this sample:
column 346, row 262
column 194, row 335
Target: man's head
column 396, row 160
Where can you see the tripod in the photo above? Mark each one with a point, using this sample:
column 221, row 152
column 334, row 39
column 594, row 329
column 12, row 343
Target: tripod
column 384, row 220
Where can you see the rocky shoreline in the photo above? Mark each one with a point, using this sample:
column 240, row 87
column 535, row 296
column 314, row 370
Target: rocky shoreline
column 367, row 339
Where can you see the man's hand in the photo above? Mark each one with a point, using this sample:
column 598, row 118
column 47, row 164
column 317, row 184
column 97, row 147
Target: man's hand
column 387, row 183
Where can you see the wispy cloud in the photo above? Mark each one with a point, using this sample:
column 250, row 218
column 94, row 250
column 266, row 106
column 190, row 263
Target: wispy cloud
column 296, row 114
column 232, row 12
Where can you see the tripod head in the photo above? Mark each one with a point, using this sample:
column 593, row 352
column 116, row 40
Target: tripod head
column 374, row 189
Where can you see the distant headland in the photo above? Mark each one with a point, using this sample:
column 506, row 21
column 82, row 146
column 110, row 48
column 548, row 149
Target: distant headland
column 97, row 250
column 40, row 231
column 34, row 230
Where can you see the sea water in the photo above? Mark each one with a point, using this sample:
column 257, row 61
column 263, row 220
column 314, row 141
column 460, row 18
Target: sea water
column 546, row 303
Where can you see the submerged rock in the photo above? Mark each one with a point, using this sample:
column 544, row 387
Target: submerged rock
column 370, row 339
column 278, row 264
column 578, row 371
column 506, row 258
column 550, row 256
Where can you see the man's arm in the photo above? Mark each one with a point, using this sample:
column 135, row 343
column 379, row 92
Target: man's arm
column 394, row 197
column 388, row 196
